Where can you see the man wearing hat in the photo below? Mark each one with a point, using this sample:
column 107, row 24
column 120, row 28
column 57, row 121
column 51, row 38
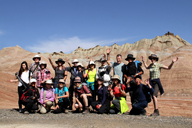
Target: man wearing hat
column 139, row 99
column 34, row 67
column 42, row 76
column 82, row 94
column 155, row 70
column 60, row 71
column 132, row 69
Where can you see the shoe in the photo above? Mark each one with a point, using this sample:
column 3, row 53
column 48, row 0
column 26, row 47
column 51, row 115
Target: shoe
column 126, row 113
column 66, row 111
column 144, row 113
column 20, row 110
column 156, row 113
column 86, row 111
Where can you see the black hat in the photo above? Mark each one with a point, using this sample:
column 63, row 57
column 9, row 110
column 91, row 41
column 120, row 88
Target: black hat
column 100, row 78
column 60, row 60
column 130, row 56
column 103, row 60
column 153, row 56
column 138, row 76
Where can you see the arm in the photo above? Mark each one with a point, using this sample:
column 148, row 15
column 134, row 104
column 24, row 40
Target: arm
column 51, row 62
column 104, row 95
column 37, row 96
column 64, row 96
column 85, row 74
column 149, row 86
column 140, row 71
column 14, row 80
column 69, row 63
column 65, row 76
column 170, row 66
column 52, row 98
column 122, row 91
column 108, row 56
column 145, row 64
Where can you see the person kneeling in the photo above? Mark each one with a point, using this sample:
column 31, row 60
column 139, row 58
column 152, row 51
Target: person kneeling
column 61, row 97
column 47, row 97
column 82, row 95
column 102, row 105
column 30, row 97
column 140, row 97
column 119, row 104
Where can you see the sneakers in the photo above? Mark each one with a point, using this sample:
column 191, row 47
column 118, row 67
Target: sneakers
column 156, row 113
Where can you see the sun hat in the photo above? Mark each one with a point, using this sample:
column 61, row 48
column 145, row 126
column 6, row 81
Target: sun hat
column 33, row 80
column 61, row 81
column 43, row 63
column 36, row 56
column 91, row 62
column 75, row 61
column 103, row 60
column 115, row 77
column 49, row 82
column 79, row 64
column 77, row 79
column 130, row 56
column 60, row 60
column 153, row 56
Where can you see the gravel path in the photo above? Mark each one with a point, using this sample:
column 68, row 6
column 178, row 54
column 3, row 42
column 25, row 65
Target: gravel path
column 11, row 118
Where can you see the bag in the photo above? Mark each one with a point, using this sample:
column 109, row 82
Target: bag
column 24, row 98
column 147, row 94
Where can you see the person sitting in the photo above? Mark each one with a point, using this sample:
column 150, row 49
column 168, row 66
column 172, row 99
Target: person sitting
column 119, row 104
column 102, row 105
column 139, row 96
column 82, row 95
column 47, row 97
column 61, row 97
column 31, row 97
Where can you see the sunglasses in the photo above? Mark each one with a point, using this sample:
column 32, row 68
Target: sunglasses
column 61, row 83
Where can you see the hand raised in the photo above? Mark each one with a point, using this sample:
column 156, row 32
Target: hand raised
column 108, row 50
column 175, row 59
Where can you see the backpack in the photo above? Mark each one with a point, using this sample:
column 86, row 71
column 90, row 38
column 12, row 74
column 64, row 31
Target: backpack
column 24, row 97
column 147, row 94
column 45, row 93
column 58, row 91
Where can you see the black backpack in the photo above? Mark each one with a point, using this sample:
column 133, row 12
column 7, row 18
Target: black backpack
column 146, row 93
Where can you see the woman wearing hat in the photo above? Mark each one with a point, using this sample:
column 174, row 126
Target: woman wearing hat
column 154, row 70
column 61, row 97
column 80, row 70
column 47, row 97
column 119, row 104
column 102, row 105
column 90, row 74
column 33, row 95
column 33, row 68
column 43, row 75
column 60, row 71
column 24, row 75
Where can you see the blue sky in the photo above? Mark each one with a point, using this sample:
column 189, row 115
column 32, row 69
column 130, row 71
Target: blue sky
column 63, row 25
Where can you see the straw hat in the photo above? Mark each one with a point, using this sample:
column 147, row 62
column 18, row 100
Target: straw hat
column 49, row 82
column 61, row 81
column 115, row 77
column 77, row 79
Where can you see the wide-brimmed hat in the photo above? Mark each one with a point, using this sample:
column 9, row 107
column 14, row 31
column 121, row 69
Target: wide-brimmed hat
column 61, row 81
column 130, row 56
column 91, row 62
column 36, row 56
column 60, row 60
column 115, row 77
column 33, row 80
column 103, row 60
column 77, row 79
column 49, row 82
column 153, row 56
column 75, row 61
column 79, row 64
column 43, row 63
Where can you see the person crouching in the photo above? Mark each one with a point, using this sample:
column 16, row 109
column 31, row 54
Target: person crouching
column 47, row 97
column 61, row 97
column 82, row 95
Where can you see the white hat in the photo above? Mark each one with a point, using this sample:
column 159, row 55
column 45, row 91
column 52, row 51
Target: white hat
column 44, row 63
column 33, row 80
column 79, row 64
column 106, row 79
column 49, row 82
column 91, row 62
column 36, row 56
column 75, row 61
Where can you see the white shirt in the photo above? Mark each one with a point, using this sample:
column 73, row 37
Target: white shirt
column 24, row 77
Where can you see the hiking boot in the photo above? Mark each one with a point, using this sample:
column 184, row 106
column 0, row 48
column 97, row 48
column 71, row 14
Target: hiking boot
column 144, row 113
column 20, row 110
column 156, row 113
column 86, row 111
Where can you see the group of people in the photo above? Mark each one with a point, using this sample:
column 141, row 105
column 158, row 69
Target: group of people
column 91, row 88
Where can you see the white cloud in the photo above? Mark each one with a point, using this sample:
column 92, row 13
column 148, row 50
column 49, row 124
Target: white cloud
column 69, row 44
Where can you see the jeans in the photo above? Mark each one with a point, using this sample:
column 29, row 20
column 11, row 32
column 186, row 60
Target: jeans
column 138, row 108
column 62, row 106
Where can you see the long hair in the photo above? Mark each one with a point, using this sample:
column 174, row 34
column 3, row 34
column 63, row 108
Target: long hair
column 21, row 68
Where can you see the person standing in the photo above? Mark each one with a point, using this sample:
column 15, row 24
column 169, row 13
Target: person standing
column 155, row 70
column 60, row 71
column 34, row 67
column 117, row 66
column 43, row 74
column 24, row 75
